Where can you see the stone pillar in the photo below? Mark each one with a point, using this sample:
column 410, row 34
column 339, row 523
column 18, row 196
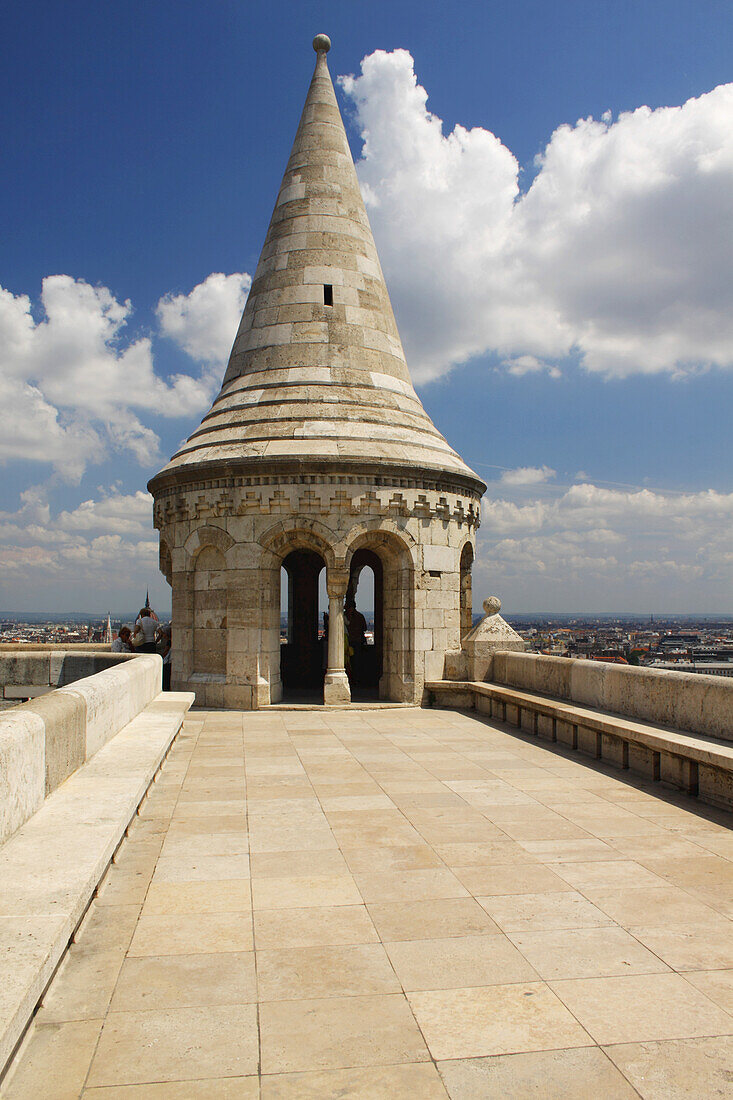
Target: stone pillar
column 336, row 690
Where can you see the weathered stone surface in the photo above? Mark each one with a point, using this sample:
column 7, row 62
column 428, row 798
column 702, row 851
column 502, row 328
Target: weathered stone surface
column 22, row 768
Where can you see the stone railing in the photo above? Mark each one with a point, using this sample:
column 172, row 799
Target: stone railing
column 686, row 701
column 675, row 728
column 27, row 672
column 45, row 740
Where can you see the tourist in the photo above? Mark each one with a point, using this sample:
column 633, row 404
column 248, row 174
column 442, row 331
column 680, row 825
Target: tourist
column 121, row 643
column 144, row 637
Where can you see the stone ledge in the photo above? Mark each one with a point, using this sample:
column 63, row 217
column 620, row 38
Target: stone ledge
column 663, row 750
column 51, row 867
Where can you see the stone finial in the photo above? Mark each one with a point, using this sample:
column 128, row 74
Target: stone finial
column 489, row 636
column 321, row 43
column 492, row 606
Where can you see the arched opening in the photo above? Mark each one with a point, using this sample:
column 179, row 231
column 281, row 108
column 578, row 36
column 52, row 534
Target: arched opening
column 466, row 589
column 302, row 627
column 364, row 615
column 388, row 556
column 210, row 614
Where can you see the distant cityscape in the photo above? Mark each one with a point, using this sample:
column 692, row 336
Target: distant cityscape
column 687, row 643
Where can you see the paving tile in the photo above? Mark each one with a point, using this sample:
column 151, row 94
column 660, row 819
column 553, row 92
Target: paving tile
column 586, row 953
column 181, row 981
column 314, row 927
column 431, row 919
column 315, row 972
column 198, row 897
column 414, row 857
column 176, row 1045
column 680, row 1069
column 201, row 868
column 574, row 1074
column 668, row 905
column 458, row 961
column 187, row 933
column 570, row 851
column 409, row 885
column 337, row 1033
column 511, row 878
column 611, row 873
column 83, row 985
column 302, row 892
column 286, row 864
column 481, row 853
column 527, row 912
column 640, row 1008
column 695, row 947
column 703, row 870
column 407, row 1082
column 219, row 1088
column 497, row 1019
column 715, row 984
column 54, row 1061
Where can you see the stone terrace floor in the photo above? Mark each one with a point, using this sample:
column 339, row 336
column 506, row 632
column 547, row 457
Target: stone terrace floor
column 396, row 903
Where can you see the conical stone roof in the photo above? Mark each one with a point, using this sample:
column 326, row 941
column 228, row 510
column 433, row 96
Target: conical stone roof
column 317, row 379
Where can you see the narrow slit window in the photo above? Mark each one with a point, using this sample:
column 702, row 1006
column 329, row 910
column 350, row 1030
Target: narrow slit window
column 327, row 294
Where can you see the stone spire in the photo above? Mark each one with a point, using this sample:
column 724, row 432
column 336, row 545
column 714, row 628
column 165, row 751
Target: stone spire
column 317, row 377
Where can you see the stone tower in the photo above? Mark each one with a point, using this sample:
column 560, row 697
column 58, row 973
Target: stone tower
column 316, row 454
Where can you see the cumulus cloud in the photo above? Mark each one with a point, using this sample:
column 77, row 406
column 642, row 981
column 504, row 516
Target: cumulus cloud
column 584, row 545
column 96, row 552
column 618, row 253
column 74, row 384
column 204, row 322
column 527, row 475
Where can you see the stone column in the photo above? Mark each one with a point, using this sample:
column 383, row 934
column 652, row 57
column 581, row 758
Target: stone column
column 336, row 688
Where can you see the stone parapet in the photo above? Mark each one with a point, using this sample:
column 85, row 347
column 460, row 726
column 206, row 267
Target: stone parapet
column 44, row 741
column 697, row 703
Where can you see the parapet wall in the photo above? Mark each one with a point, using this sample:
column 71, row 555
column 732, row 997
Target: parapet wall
column 686, row 701
column 45, row 740
column 27, row 673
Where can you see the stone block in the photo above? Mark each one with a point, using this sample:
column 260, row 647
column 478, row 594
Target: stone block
column 675, row 771
column 25, row 668
column 565, row 733
column 643, row 761
column 614, row 750
column 115, row 696
column 22, row 768
column 545, row 728
column 439, row 558
column 64, row 721
column 25, row 691
column 589, row 741
column 715, row 786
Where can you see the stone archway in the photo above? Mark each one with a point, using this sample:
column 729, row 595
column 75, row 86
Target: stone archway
column 303, row 652
column 395, row 611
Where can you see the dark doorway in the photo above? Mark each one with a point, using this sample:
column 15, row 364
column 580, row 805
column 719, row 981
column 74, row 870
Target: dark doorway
column 302, row 639
column 365, row 625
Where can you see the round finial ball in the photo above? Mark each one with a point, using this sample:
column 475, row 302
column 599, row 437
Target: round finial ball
column 321, row 43
column 492, row 606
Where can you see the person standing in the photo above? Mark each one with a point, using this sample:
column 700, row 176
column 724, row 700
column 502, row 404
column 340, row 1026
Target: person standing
column 145, row 627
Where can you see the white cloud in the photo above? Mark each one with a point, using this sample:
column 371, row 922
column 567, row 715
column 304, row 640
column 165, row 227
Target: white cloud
column 527, row 475
column 204, row 322
column 590, row 547
column 617, row 253
column 102, row 553
column 72, row 388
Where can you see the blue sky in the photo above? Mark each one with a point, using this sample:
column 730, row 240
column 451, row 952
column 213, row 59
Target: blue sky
column 143, row 149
